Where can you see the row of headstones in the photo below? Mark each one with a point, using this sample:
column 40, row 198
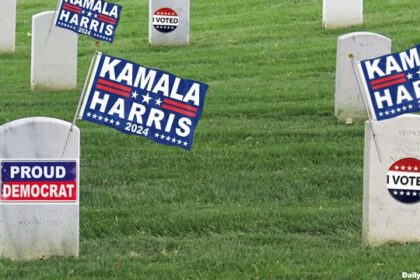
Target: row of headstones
column 336, row 13
column 54, row 50
column 179, row 36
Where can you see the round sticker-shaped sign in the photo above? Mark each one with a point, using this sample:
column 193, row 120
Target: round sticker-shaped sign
column 403, row 180
column 165, row 20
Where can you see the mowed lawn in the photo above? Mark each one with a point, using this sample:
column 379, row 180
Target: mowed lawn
column 272, row 188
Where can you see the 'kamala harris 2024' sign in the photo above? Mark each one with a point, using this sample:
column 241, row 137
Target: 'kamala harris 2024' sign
column 96, row 18
column 392, row 83
column 143, row 101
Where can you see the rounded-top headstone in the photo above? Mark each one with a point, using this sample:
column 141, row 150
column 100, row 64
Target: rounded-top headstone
column 54, row 55
column 349, row 103
column 33, row 231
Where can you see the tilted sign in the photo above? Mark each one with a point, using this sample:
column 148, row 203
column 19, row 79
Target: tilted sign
column 96, row 18
column 392, row 83
column 143, row 101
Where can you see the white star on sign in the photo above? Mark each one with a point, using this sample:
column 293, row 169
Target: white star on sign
column 95, row 116
column 410, row 106
column 416, row 168
column 134, row 94
column 396, row 167
column 395, row 192
column 414, row 194
column 106, row 119
column 157, row 135
column 158, row 102
column 410, row 76
column 179, row 142
column 117, row 123
column 393, row 111
column 185, row 143
column 403, row 167
column 89, row 14
column 162, row 137
column 168, row 138
column 408, row 193
column 401, row 193
column 398, row 110
column 111, row 121
column 88, row 114
column 404, row 108
column 146, row 98
column 173, row 140
column 409, row 168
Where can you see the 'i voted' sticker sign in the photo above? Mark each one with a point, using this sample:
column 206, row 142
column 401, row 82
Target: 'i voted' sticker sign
column 165, row 20
column 403, row 180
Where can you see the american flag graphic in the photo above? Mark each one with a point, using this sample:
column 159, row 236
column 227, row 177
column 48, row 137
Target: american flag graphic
column 391, row 83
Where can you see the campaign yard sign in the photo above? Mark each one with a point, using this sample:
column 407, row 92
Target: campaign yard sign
column 39, row 181
column 96, row 18
column 392, row 83
column 143, row 101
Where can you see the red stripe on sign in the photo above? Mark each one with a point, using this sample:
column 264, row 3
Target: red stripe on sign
column 113, row 90
column 39, row 191
column 107, row 19
column 177, row 110
column 180, row 105
column 391, row 83
column 114, row 85
column 72, row 8
column 386, row 79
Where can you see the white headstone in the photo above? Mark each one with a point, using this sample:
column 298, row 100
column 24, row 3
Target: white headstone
column 385, row 218
column 354, row 46
column 342, row 13
column 169, row 22
column 54, row 62
column 7, row 25
column 38, row 230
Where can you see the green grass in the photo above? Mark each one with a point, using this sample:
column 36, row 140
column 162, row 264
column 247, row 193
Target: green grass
column 273, row 186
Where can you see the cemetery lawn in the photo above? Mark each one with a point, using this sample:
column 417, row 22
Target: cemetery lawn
column 272, row 188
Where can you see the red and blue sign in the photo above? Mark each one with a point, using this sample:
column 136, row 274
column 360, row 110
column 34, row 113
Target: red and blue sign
column 96, row 18
column 165, row 20
column 392, row 83
column 39, row 181
column 143, row 101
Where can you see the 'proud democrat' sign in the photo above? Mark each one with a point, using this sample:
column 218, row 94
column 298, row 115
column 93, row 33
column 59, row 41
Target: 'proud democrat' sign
column 392, row 83
column 96, row 18
column 39, row 181
column 143, row 101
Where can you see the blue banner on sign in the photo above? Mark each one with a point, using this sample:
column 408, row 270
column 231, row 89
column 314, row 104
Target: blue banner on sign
column 143, row 101
column 392, row 83
column 96, row 18
column 20, row 171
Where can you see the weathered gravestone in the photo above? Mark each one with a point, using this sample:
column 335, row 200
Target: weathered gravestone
column 342, row 13
column 169, row 22
column 351, row 47
column 54, row 61
column 7, row 25
column 32, row 225
column 391, row 192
